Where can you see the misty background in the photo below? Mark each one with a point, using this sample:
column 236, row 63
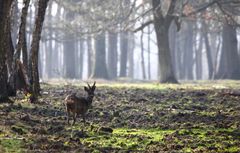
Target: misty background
column 76, row 32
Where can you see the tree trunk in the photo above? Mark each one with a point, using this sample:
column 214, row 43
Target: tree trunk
column 69, row 50
column 142, row 58
column 123, row 53
column 172, row 41
column 5, row 6
column 69, row 59
column 149, row 53
column 131, row 55
column 22, row 30
column 112, row 55
column 81, row 58
column 21, row 45
column 208, row 51
column 89, row 55
column 49, row 49
column 10, row 48
column 162, row 25
column 198, row 52
column 42, row 5
column 179, row 55
column 100, row 66
column 229, row 59
column 188, row 50
column 15, row 15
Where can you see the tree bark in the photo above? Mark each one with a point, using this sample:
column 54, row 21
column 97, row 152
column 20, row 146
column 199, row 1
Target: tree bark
column 21, row 45
column 208, row 51
column 142, row 58
column 162, row 25
column 149, row 53
column 229, row 58
column 131, row 55
column 34, row 53
column 49, row 44
column 5, row 6
column 81, row 58
column 188, row 50
column 123, row 53
column 198, row 52
column 100, row 66
column 112, row 55
column 69, row 59
column 89, row 55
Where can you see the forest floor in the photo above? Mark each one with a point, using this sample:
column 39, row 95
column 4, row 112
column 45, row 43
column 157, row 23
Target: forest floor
column 127, row 117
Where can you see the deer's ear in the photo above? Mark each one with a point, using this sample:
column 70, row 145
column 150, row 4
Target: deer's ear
column 86, row 89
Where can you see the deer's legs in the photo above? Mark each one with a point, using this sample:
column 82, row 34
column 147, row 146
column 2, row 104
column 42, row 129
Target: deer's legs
column 74, row 118
column 68, row 114
column 84, row 121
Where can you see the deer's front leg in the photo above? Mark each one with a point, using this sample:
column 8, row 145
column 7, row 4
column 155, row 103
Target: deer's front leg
column 84, row 121
column 74, row 118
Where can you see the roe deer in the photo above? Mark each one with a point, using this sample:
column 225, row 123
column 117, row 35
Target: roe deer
column 79, row 105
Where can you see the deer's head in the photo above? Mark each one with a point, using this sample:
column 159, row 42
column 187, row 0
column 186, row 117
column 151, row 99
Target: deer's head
column 90, row 89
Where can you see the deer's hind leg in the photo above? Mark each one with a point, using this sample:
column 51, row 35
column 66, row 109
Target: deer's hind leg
column 68, row 114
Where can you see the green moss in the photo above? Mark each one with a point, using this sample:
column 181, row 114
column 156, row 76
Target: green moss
column 129, row 139
column 232, row 149
column 11, row 145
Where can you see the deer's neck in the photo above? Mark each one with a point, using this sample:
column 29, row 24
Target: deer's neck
column 90, row 99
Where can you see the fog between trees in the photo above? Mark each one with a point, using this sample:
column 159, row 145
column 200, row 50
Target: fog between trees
column 133, row 39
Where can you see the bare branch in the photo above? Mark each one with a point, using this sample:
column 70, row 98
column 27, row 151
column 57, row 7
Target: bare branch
column 202, row 8
column 233, row 21
column 143, row 26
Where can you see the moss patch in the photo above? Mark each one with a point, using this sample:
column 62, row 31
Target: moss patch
column 126, row 139
column 11, row 145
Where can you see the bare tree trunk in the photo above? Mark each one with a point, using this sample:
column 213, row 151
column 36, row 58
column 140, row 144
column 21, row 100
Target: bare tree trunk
column 81, row 55
column 208, row 51
column 179, row 57
column 123, row 53
column 69, row 59
column 5, row 6
column 10, row 49
column 216, row 55
column 131, row 55
column 22, row 30
column 162, row 25
column 198, row 52
column 21, row 44
column 90, row 55
column 100, row 66
column 149, row 53
column 49, row 49
column 229, row 59
column 15, row 15
column 112, row 55
column 56, row 66
column 142, row 58
column 188, row 47
column 42, row 5
column 172, row 41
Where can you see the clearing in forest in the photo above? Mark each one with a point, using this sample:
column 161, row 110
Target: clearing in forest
column 189, row 117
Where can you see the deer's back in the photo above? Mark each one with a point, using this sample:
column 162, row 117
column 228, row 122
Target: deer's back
column 76, row 104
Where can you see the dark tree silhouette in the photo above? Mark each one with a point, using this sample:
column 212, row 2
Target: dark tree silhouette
column 34, row 74
column 5, row 6
column 100, row 66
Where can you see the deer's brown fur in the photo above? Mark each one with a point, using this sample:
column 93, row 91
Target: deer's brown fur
column 79, row 105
